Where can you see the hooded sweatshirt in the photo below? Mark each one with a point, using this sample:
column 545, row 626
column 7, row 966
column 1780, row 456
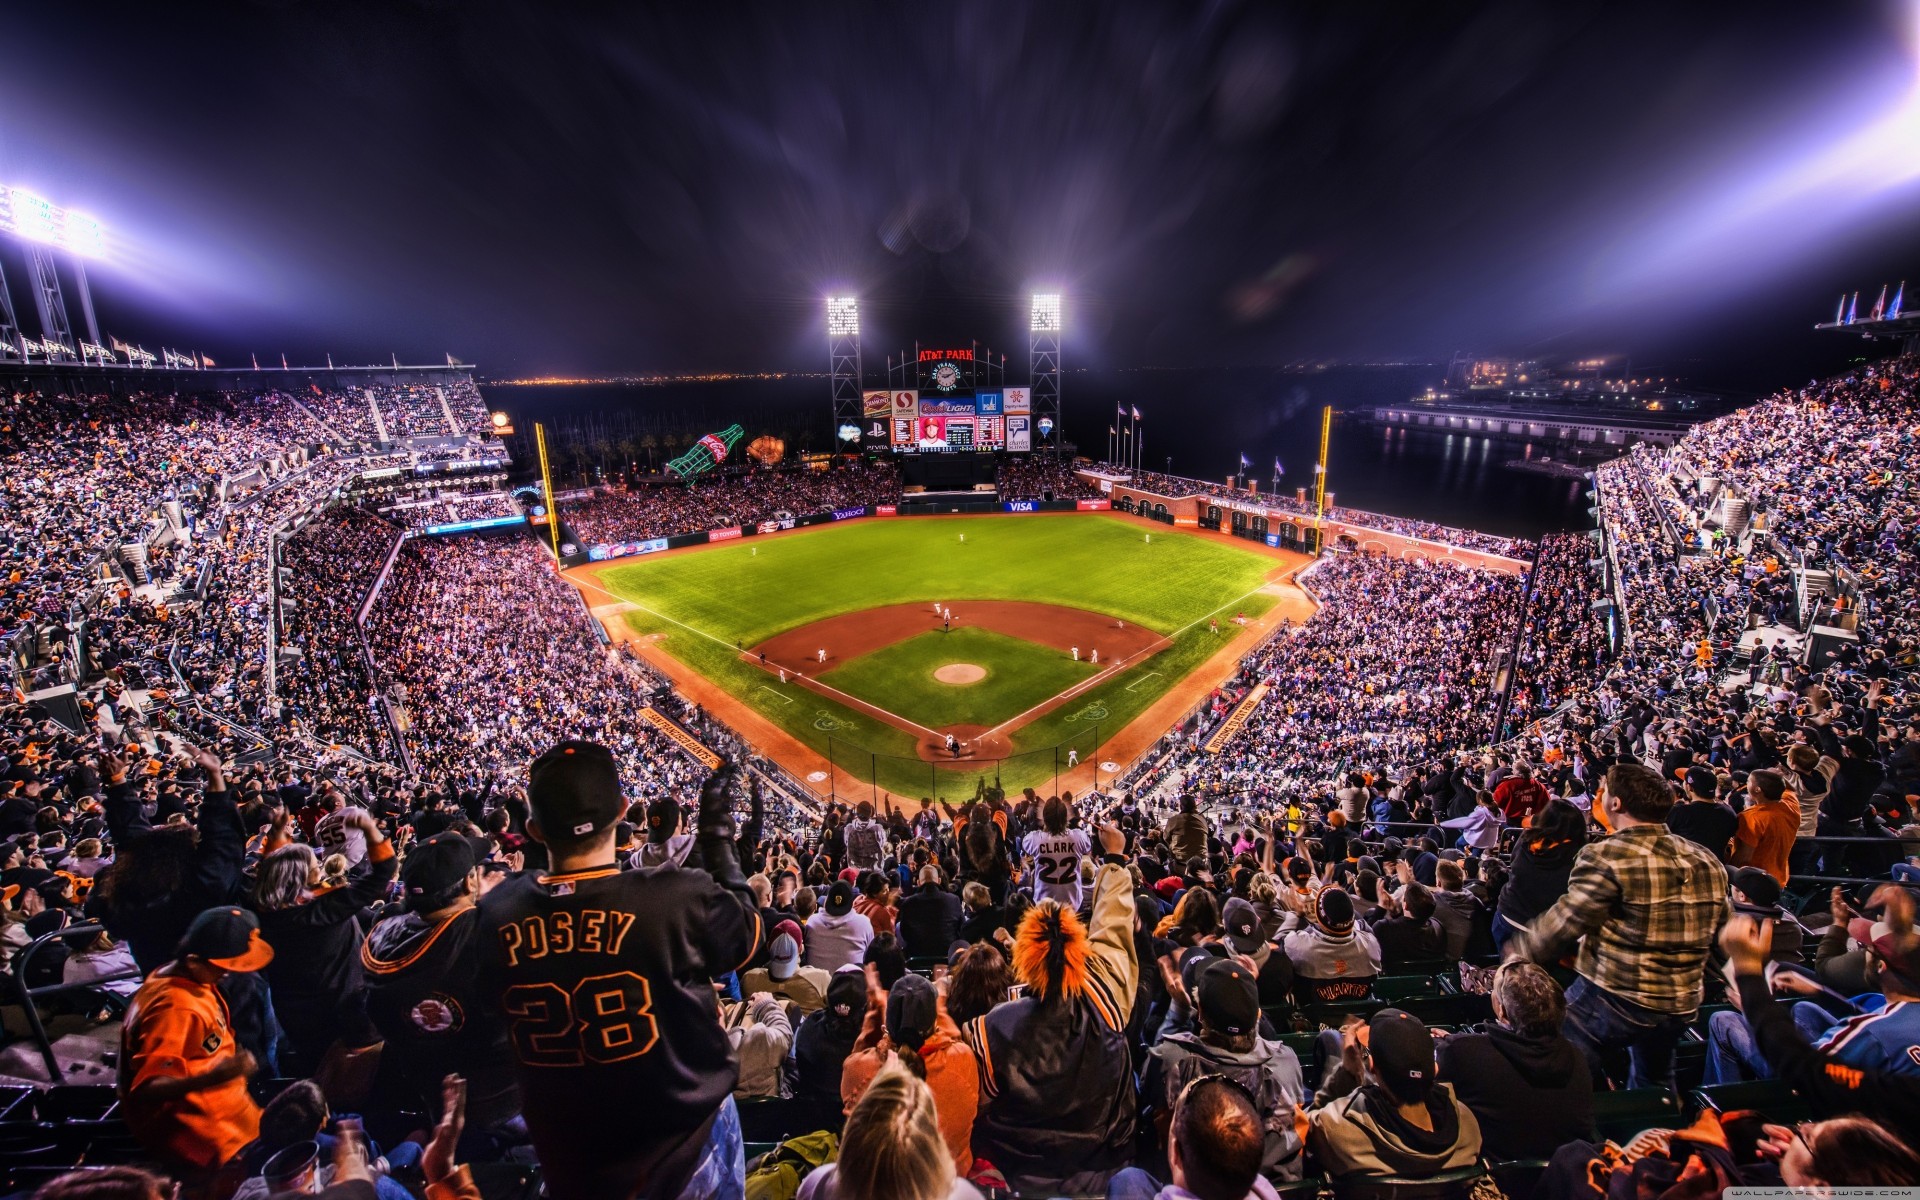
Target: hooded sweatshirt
column 834, row 942
column 1330, row 966
column 1531, row 1095
column 1269, row 1071
column 1362, row 1135
column 670, row 853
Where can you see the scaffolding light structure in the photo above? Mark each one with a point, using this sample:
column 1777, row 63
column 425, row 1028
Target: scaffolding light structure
column 44, row 228
column 843, row 368
column 1044, row 368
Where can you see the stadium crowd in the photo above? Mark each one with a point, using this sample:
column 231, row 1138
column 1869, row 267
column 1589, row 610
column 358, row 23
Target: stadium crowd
column 1042, row 478
column 1358, row 944
column 720, row 502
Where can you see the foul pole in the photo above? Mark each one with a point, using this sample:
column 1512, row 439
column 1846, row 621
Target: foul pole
column 546, row 481
column 1320, row 471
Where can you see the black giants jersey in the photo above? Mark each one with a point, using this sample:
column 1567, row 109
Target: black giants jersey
column 604, row 980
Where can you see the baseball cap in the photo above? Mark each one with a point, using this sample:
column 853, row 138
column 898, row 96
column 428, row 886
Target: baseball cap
column 783, row 956
column 1195, row 959
column 1243, row 926
column 1229, row 997
column 1878, row 936
column 911, row 1009
column 574, row 790
column 847, row 993
column 1333, row 911
column 1402, row 1051
column 1759, row 890
column 227, row 937
column 1168, row 887
column 1701, row 781
column 1297, row 869
column 663, row 817
column 839, row 898
column 437, row 866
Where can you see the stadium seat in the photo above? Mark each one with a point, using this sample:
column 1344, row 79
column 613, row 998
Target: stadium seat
column 1456, row 1010
column 1517, row 1177
column 1395, row 988
column 776, row 1120
column 1620, row 1115
column 1772, row 1098
column 1335, row 1013
column 76, row 1102
column 1448, row 1185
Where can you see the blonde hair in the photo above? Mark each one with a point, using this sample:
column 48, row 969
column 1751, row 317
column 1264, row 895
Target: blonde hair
column 892, row 1148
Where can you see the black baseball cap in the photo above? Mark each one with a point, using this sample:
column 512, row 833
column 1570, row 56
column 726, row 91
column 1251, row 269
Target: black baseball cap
column 437, row 866
column 1701, row 782
column 1243, row 926
column 839, row 898
column 1229, row 997
column 1333, row 911
column 1402, row 1052
column 227, row 937
column 847, row 992
column 574, row 789
column 912, row 1008
column 1756, row 891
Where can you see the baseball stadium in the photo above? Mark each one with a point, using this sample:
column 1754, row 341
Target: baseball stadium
column 731, row 734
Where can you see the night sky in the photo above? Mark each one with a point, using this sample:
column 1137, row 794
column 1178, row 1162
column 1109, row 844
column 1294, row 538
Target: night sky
column 586, row 188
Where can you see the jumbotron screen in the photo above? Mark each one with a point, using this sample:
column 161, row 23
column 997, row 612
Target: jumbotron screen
column 916, row 421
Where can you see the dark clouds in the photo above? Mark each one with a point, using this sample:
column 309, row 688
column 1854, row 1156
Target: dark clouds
column 549, row 186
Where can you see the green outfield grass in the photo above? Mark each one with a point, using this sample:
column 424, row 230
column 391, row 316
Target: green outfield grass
column 706, row 603
column 899, row 678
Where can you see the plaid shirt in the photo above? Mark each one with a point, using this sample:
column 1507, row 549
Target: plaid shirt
column 1645, row 907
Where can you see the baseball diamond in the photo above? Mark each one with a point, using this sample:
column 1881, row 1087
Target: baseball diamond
column 1084, row 635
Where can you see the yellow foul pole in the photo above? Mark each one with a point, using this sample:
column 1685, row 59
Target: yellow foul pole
column 1320, row 472
column 546, row 480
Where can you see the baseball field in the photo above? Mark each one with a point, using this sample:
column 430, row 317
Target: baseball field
column 924, row 654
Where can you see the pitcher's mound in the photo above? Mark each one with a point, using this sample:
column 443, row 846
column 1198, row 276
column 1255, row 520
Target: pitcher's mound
column 960, row 673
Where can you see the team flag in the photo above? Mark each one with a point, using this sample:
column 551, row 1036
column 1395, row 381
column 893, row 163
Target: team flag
column 1136, row 412
column 1277, row 468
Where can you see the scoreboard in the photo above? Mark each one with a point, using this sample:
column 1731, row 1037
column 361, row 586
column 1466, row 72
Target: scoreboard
column 946, row 412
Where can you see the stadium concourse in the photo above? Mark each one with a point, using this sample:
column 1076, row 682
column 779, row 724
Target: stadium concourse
column 310, row 811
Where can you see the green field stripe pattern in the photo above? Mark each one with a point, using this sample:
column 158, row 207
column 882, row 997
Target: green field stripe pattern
column 750, row 590
column 708, row 602
column 899, row 678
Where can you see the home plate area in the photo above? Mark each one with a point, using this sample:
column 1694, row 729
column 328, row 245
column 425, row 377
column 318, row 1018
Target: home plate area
column 962, row 675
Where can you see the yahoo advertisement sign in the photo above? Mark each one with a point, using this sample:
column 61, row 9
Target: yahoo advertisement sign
column 847, row 514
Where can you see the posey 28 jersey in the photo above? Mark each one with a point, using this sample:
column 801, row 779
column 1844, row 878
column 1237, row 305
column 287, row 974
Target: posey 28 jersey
column 1056, row 864
column 603, row 978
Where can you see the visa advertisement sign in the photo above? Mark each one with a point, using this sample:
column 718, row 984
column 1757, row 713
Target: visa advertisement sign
column 1022, row 506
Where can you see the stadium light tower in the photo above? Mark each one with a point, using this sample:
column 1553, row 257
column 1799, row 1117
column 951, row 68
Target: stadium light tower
column 1044, row 365
column 843, row 365
column 45, row 228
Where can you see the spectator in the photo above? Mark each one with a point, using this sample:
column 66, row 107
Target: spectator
column 980, row 980
column 823, row 1042
column 1520, row 795
column 316, row 976
column 1526, row 1084
column 872, row 904
column 909, row 1024
column 1216, row 1143
column 1542, row 863
column 423, row 991
column 1332, row 958
column 184, row 1075
column 1384, row 1112
column 1643, row 907
column 1701, row 817
column 1768, row 825
column 1228, row 1044
column 1186, row 832
column 929, row 920
column 1410, row 936
column 892, row 1148
column 1273, row 969
column 805, row 988
column 1056, row 1083
column 761, row 1035
column 837, row 936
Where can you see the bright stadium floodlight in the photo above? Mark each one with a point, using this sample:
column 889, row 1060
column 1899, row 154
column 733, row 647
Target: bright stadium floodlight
column 843, row 316
column 1046, row 312
column 35, row 219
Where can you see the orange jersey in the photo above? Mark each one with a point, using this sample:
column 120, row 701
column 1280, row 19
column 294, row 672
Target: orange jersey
column 176, row 1028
